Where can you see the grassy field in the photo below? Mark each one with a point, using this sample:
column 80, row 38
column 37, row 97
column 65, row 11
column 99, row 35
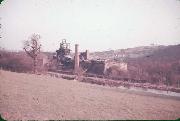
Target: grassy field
column 28, row 96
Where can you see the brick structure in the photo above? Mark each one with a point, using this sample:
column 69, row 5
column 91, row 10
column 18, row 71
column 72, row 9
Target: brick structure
column 76, row 59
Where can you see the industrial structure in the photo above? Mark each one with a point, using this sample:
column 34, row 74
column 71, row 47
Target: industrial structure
column 64, row 60
column 79, row 61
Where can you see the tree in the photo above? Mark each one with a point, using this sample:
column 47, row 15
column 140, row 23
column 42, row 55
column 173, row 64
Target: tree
column 32, row 48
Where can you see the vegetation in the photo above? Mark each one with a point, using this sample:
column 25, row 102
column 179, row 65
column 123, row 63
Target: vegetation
column 32, row 48
column 15, row 61
column 162, row 67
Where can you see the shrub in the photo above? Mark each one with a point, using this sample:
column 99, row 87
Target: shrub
column 15, row 61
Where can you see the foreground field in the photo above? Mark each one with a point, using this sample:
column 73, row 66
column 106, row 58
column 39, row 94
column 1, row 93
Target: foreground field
column 25, row 96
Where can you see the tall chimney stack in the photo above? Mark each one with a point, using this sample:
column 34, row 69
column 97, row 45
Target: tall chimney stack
column 87, row 55
column 76, row 63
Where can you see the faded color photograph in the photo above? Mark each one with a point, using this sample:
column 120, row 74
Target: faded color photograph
column 89, row 59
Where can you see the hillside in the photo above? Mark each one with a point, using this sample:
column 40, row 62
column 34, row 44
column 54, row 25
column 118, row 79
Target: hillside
column 155, row 52
column 128, row 53
column 169, row 53
column 26, row 96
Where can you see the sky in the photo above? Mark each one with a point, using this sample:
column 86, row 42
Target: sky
column 96, row 25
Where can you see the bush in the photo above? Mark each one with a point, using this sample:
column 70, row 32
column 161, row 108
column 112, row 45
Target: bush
column 15, row 61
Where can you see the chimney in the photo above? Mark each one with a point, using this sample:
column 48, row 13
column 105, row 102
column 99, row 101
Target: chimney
column 76, row 63
column 87, row 55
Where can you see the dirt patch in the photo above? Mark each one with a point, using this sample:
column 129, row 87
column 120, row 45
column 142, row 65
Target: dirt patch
column 25, row 96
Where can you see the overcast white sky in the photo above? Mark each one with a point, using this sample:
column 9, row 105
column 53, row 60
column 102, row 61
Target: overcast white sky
column 94, row 24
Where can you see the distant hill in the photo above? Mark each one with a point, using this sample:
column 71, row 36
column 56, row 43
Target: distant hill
column 168, row 53
column 140, row 52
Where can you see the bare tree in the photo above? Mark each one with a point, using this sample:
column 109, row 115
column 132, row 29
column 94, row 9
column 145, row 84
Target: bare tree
column 32, row 48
